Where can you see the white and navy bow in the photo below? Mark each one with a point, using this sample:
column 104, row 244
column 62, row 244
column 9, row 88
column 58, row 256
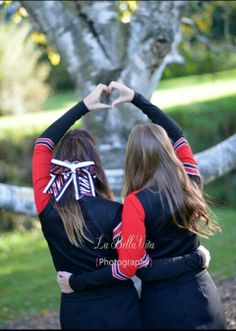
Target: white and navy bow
column 64, row 172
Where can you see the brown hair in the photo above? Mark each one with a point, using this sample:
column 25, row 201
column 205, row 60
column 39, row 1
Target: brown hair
column 151, row 162
column 78, row 145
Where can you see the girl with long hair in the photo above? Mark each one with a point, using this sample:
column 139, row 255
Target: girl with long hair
column 76, row 210
column 164, row 204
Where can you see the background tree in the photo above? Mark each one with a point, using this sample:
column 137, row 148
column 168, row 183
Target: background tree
column 22, row 78
column 131, row 41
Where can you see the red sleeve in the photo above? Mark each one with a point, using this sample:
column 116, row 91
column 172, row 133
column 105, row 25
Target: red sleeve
column 41, row 171
column 131, row 248
column 185, row 155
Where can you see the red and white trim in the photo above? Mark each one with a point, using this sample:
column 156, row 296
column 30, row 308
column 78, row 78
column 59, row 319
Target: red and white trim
column 117, row 232
column 117, row 273
column 45, row 142
column 144, row 261
column 180, row 142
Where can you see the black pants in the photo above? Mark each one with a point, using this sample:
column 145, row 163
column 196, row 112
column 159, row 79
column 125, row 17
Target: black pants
column 192, row 302
column 117, row 307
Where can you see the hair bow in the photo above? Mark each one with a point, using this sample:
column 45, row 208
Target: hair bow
column 64, row 172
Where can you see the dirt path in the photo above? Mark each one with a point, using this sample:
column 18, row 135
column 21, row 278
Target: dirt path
column 50, row 321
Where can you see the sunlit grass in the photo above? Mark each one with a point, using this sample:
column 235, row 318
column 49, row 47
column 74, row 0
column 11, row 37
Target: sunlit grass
column 60, row 100
column 194, row 89
column 170, row 93
column 29, row 124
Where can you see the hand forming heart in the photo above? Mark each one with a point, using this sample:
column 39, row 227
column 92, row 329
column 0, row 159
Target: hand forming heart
column 93, row 102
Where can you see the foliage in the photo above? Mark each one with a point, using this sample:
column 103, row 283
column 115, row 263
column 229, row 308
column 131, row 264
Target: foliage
column 59, row 79
column 22, row 78
column 208, row 38
column 206, row 124
column 13, row 12
column 10, row 221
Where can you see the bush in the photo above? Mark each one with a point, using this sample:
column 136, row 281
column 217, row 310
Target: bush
column 15, row 160
column 10, row 221
column 59, row 79
column 22, row 78
column 205, row 125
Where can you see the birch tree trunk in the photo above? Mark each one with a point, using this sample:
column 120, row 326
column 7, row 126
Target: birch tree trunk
column 96, row 47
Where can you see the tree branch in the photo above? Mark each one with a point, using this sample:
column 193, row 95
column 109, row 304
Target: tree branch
column 213, row 163
column 218, row 160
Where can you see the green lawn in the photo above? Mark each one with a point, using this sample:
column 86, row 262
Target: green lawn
column 193, row 89
column 222, row 245
column 60, row 100
column 171, row 94
column 27, row 277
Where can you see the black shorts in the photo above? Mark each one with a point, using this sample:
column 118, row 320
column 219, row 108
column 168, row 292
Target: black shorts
column 116, row 307
column 188, row 303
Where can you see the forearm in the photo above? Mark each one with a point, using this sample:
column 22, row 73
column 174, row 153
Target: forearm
column 43, row 152
column 93, row 279
column 159, row 117
column 57, row 130
column 162, row 269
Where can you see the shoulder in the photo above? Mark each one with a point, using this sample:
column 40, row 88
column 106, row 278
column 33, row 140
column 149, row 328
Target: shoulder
column 148, row 201
column 145, row 196
column 133, row 204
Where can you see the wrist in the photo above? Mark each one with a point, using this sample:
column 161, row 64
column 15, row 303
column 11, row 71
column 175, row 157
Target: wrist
column 86, row 109
column 136, row 97
column 202, row 258
column 87, row 103
column 132, row 94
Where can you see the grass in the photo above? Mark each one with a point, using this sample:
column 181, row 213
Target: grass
column 222, row 245
column 184, row 92
column 60, row 100
column 27, row 277
column 192, row 89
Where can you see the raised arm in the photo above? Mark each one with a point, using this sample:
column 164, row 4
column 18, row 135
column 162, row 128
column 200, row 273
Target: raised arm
column 133, row 227
column 157, row 116
column 174, row 131
column 45, row 144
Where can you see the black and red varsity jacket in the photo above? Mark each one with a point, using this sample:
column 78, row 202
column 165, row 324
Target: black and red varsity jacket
column 146, row 216
column 102, row 218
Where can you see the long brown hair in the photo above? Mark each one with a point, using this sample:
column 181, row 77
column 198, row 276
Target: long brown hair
column 151, row 162
column 78, row 145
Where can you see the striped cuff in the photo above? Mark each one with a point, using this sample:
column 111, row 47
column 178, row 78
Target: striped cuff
column 117, row 273
column 144, row 261
column 45, row 142
column 191, row 169
column 180, row 142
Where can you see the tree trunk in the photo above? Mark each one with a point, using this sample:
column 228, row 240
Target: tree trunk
column 97, row 47
column 213, row 163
